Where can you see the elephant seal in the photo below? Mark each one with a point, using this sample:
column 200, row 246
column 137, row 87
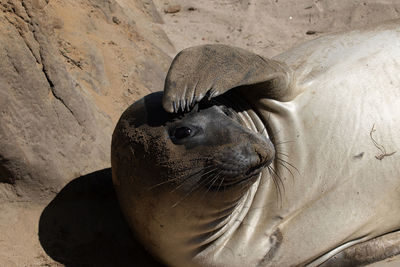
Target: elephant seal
column 289, row 161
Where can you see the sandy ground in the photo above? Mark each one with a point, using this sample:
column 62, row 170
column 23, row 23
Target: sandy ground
column 267, row 27
column 20, row 244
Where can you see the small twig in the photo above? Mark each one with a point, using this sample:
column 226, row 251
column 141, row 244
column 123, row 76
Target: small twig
column 380, row 147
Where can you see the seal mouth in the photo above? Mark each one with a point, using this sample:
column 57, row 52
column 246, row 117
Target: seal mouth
column 224, row 184
column 255, row 169
column 227, row 181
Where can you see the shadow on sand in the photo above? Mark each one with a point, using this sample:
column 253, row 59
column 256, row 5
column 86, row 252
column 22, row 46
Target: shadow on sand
column 83, row 226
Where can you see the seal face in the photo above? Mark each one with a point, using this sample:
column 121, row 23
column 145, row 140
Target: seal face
column 210, row 139
column 212, row 135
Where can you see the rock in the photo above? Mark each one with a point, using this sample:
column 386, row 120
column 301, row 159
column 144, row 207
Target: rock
column 116, row 20
column 172, row 9
column 60, row 88
column 61, row 93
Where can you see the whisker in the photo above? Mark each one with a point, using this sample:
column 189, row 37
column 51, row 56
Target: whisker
column 180, row 177
column 172, row 172
column 219, row 185
column 201, row 176
column 214, row 179
column 283, row 165
column 291, row 165
column 278, row 183
column 278, row 191
column 191, row 191
column 280, row 180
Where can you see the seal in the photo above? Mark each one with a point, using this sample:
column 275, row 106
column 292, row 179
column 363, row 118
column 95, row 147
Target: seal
column 246, row 161
column 201, row 164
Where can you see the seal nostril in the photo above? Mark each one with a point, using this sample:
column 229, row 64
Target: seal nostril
column 260, row 158
column 265, row 153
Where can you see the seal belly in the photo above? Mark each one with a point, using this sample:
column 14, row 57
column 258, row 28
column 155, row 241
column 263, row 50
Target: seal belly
column 340, row 133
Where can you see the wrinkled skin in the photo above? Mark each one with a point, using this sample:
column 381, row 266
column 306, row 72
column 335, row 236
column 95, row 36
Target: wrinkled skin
column 330, row 107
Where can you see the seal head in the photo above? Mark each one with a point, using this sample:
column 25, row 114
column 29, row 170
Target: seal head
column 179, row 176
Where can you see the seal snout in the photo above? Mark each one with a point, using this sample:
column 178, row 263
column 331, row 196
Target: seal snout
column 265, row 154
column 242, row 162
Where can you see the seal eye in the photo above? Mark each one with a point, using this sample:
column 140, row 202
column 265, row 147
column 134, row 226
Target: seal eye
column 182, row 132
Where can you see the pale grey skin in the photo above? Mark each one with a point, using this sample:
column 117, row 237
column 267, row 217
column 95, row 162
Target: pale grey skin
column 333, row 104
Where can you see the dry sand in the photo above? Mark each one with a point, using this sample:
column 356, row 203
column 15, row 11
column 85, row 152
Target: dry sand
column 267, row 27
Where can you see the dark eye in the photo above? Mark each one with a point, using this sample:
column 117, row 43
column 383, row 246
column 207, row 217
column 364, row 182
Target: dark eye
column 182, row 132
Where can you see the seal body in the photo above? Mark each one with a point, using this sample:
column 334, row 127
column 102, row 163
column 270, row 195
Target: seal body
column 347, row 189
column 335, row 136
column 344, row 191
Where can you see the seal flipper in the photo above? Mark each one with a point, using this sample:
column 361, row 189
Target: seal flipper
column 368, row 252
column 212, row 70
